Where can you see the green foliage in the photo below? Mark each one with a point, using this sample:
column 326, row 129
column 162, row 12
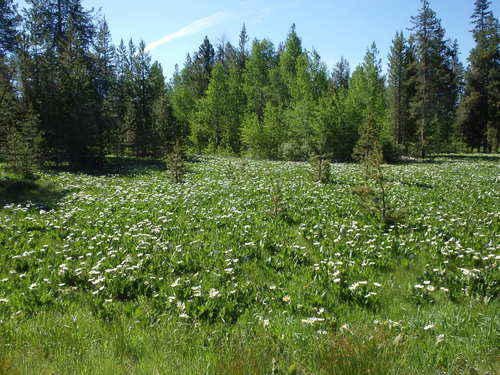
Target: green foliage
column 401, row 90
column 24, row 146
column 478, row 112
column 176, row 164
column 9, row 20
column 375, row 194
column 256, row 76
column 320, row 167
column 127, row 273
column 437, row 81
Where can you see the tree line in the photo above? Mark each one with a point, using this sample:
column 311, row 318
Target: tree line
column 68, row 95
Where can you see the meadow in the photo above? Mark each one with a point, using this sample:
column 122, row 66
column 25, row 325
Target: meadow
column 251, row 267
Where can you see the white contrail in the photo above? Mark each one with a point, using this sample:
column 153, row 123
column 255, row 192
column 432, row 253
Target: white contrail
column 192, row 28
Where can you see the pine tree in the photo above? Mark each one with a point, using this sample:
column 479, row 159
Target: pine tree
column 430, row 106
column 237, row 105
column 9, row 20
column 175, row 162
column 162, row 130
column 56, row 76
column 210, row 126
column 242, row 53
column 450, row 91
column 288, row 62
column 374, row 194
column 366, row 97
column 202, row 66
column 256, row 77
column 299, row 141
column 367, row 90
column 104, row 79
column 121, row 100
column 8, row 34
column 341, row 74
column 397, row 78
column 183, row 100
column 480, row 106
column 333, row 134
column 24, row 144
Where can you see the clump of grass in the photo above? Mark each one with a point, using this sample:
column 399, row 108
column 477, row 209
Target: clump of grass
column 7, row 366
column 366, row 351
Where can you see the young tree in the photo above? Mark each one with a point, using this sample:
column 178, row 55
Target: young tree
column 24, row 143
column 374, row 194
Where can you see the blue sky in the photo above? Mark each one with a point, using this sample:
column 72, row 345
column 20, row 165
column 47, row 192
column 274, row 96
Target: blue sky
column 334, row 28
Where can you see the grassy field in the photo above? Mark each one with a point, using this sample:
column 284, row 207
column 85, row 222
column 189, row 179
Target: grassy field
column 251, row 267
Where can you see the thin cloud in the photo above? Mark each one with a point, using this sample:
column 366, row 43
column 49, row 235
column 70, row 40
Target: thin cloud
column 192, row 28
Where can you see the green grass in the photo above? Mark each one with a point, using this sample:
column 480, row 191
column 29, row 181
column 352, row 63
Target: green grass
column 250, row 267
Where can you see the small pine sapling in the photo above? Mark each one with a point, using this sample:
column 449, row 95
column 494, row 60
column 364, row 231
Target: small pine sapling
column 320, row 167
column 374, row 194
column 24, row 146
column 278, row 202
column 175, row 163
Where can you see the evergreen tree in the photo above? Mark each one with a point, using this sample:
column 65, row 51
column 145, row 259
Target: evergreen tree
column 8, row 34
column 24, row 143
column 299, row 140
column 335, row 134
column 201, row 68
column 366, row 98
column 256, row 77
column 367, row 89
column 401, row 78
column 209, row 126
column 341, row 74
column 163, row 126
column 9, row 20
column 122, row 101
column 143, row 97
column 56, row 75
column 182, row 99
column 478, row 115
column 104, row 77
column 237, row 107
column 396, row 85
column 450, row 91
column 288, row 62
column 430, row 105
column 242, row 53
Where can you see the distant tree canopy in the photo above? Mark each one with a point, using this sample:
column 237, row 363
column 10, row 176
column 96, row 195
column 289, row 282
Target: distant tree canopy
column 68, row 95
